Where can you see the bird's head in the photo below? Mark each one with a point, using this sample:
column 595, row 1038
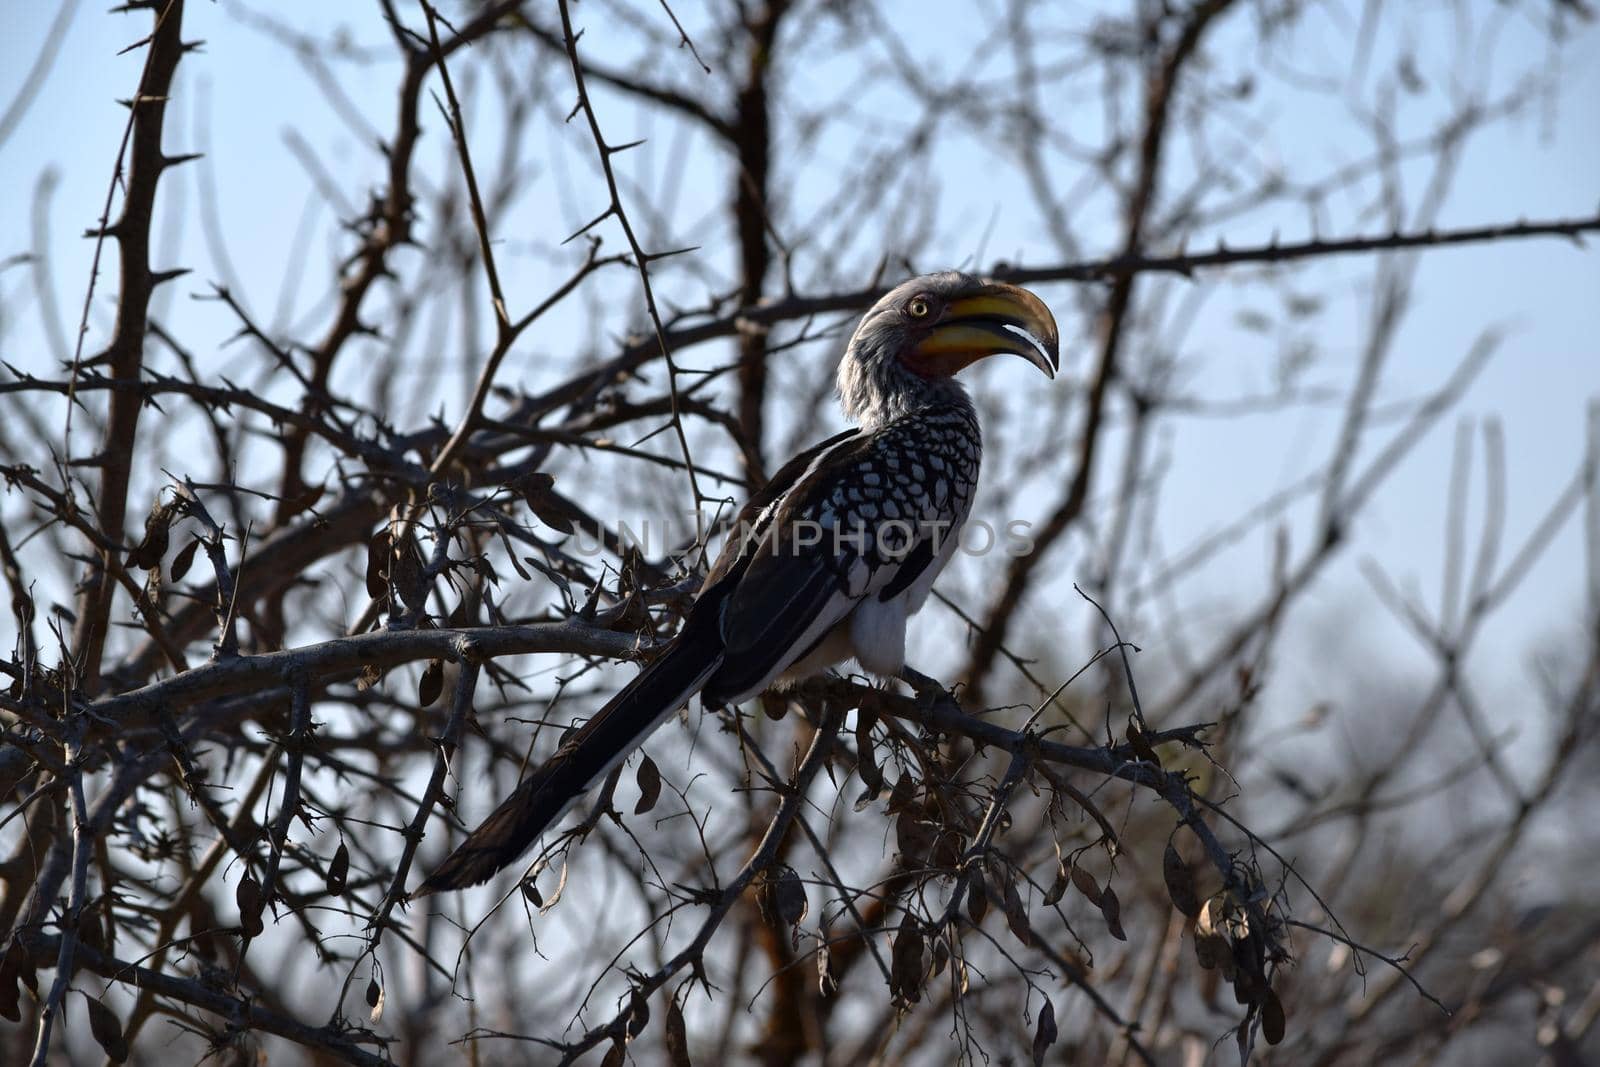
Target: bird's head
column 909, row 346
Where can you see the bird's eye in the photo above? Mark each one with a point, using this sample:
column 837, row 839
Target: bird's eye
column 919, row 308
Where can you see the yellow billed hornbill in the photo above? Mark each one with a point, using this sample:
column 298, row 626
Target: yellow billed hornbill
column 827, row 560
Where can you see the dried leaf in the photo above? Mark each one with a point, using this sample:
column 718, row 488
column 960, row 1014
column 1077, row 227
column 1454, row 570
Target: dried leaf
column 827, row 980
column 1272, row 1018
column 378, row 564
column 248, row 897
column 157, row 531
column 1111, row 908
column 1141, row 744
column 339, row 870
column 977, row 896
column 19, row 959
column 149, row 598
column 1210, row 948
column 432, row 683
column 376, row 997
column 1249, row 984
column 556, row 514
column 905, row 969
column 866, row 759
column 370, row 676
column 617, row 1055
column 903, row 797
column 1017, row 914
column 90, row 931
column 789, row 898
column 184, row 560
column 107, row 1030
column 914, row 836
column 1057, row 888
column 561, row 885
column 10, row 993
column 1211, row 945
column 1084, row 882
column 536, row 484
column 638, row 1013
column 1044, row 1034
column 405, row 569
column 304, row 502
column 530, row 889
column 1180, row 882
column 648, row 778
column 538, row 493
column 677, row 1036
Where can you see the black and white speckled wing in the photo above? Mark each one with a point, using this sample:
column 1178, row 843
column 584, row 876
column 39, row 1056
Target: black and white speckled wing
column 873, row 519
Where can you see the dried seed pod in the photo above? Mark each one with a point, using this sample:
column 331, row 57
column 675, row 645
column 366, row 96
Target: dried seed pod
column 1272, row 1018
column 107, row 1030
column 1180, row 882
column 905, row 968
column 866, row 761
column 157, row 534
column 405, row 569
column 304, row 502
column 774, row 705
column 977, row 896
column 1044, row 1033
column 10, row 994
column 827, row 979
column 538, row 492
column 248, row 897
column 648, row 778
column 1058, row 888
column 914, row 836
column 377, row 997
column 789, row 898
column 1084, row 882
column 677, row 1035
column 1017, row 914
column 378, row 565
column 184, row 559
column 903, row 797
column 432, row 683
column 638, row 1013
column 339, row 870
column 1111, row 908
column 1141, row 744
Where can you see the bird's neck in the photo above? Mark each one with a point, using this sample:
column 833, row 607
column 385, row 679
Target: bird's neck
column 877, row 393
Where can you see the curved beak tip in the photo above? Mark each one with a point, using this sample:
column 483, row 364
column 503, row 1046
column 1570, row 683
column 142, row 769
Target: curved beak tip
column 1034, row 319
column 1051, row 346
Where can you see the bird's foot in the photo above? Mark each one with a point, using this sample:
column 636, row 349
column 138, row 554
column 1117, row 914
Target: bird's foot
column 926, row 688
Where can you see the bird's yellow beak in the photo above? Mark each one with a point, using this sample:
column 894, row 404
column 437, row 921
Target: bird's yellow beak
column 991, row 318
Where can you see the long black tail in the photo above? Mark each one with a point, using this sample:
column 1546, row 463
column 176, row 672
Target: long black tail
column 586, row 757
